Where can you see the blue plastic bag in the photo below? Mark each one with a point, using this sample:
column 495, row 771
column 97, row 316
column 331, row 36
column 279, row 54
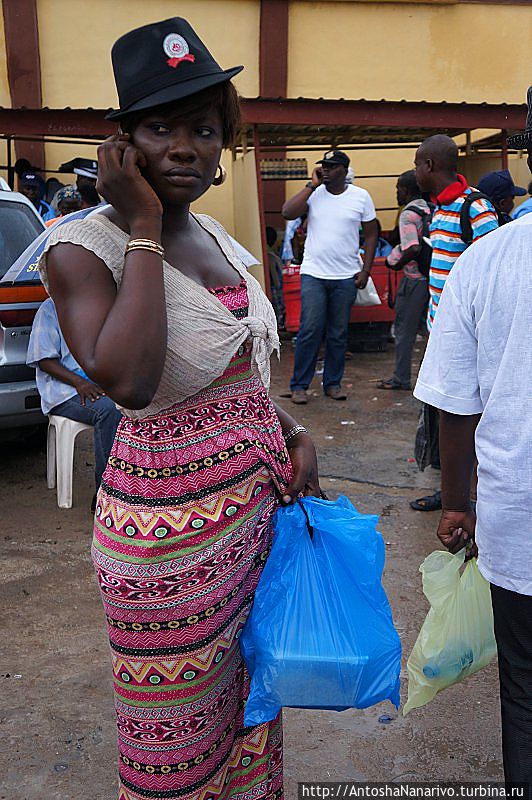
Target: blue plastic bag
column 320, row 633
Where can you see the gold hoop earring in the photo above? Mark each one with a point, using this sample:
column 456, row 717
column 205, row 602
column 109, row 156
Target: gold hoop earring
column 220, row 177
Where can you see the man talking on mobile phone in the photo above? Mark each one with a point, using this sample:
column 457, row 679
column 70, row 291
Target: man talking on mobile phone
column 331, row 271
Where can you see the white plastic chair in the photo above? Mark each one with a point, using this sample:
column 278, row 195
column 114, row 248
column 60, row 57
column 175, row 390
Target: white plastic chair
column 62, row 434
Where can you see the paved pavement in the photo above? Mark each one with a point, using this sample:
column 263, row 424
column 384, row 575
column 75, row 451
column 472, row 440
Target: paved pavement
column 56, row 715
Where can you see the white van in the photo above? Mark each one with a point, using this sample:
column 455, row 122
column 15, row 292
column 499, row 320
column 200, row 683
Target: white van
column 20, row 224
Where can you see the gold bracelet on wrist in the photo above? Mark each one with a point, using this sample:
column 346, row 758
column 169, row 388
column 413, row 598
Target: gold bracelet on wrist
column 145, row 244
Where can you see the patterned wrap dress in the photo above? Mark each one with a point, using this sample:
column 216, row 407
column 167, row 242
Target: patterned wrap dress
column 183, row 527
column 182, row 531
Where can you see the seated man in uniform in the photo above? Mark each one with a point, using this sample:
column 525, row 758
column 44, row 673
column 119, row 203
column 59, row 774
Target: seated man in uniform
column 65, row 389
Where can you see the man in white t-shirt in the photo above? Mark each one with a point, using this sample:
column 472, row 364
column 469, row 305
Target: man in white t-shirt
column 331, row 269
column 478, row 370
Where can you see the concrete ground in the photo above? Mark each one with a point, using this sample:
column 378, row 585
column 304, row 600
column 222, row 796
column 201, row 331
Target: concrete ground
column 56, row 716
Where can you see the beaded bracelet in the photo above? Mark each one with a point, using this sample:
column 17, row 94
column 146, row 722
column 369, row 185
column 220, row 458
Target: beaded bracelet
column 145, row 244
column 294, row 432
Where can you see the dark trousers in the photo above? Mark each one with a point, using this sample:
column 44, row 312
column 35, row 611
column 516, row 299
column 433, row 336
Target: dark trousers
column 325, row 311
column 104, row 416
column 512, row 615
column 410, row 307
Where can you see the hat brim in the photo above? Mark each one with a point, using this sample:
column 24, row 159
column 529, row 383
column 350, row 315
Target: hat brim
column 520, row 141
column 84, row 173
column 519, row 191
column 332, row 162
column 177, row 91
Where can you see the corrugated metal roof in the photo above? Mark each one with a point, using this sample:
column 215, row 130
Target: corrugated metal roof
column 347, row 100
column 298, row 122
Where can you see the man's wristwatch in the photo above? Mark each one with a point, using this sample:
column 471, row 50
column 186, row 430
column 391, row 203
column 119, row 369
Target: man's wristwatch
column 310, row 185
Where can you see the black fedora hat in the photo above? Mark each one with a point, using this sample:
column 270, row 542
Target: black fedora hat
column 524, row 139
column 161, row 63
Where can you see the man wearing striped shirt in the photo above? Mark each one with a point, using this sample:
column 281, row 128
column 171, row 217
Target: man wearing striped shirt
column 437, row 174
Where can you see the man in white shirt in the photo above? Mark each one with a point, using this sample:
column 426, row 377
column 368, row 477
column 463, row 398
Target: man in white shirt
column 478, row 370
column 331, row 269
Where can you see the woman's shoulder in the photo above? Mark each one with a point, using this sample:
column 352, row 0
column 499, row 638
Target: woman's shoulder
column 96, row 234
column 93, row 229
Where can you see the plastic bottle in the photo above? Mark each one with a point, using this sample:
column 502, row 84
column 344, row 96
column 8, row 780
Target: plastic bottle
column 448, row 665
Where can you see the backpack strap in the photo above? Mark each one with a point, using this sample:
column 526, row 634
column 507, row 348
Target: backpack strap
column 425, row 218
column 465, row 218
column 424, row 256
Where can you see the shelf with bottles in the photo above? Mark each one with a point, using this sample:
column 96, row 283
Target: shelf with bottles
column 284, row 169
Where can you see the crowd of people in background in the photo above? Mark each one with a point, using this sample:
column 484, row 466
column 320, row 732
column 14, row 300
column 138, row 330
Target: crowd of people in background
column 53, row 199
column 325, row 235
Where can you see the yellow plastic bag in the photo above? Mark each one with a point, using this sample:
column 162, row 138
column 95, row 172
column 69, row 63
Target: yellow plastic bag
column 457, row 636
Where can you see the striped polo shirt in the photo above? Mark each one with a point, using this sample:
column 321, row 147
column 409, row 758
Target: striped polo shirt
column 445, row 235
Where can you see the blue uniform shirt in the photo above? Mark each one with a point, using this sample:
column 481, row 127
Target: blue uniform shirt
column 46, row 341
column 46, row 211
column 524, row 208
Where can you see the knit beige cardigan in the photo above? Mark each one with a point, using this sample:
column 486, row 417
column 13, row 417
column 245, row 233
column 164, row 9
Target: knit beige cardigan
column 203, row 335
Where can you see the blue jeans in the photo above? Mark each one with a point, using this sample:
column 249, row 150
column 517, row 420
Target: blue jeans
column 325, row 311
column 104, row 416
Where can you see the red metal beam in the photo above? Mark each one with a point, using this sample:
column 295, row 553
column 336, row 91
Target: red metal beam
column 80, row 122
column 273, row 50
column 273, row 71
column 328, row 113
column 24, row 66
column 383, row 113
column 262, row 221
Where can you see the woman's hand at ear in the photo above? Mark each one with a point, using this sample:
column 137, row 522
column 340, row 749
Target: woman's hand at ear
column 121, row 183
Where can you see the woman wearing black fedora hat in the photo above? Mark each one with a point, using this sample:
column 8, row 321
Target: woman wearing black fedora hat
column 159, row 310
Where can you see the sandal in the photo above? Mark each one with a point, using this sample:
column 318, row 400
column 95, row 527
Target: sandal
column 391, row 384
column 432, row 502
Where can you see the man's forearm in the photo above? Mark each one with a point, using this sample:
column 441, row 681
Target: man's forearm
column 371, row 238
column 54, row 368
column 297, row 205
column 406, row 256
column 457, row 457
column 369, row 254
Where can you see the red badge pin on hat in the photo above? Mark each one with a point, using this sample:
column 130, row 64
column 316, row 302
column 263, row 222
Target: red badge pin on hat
column 177, row 49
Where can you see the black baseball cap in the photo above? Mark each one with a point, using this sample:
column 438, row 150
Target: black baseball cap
column 335, row 157
column 31, row 179
column 161, row 63
column 498, row 185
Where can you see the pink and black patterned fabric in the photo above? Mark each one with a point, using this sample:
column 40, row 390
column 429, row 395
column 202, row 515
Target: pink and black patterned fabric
column 182, row 532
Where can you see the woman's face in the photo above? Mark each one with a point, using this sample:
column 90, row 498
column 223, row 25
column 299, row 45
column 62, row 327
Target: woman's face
column 182, row 152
